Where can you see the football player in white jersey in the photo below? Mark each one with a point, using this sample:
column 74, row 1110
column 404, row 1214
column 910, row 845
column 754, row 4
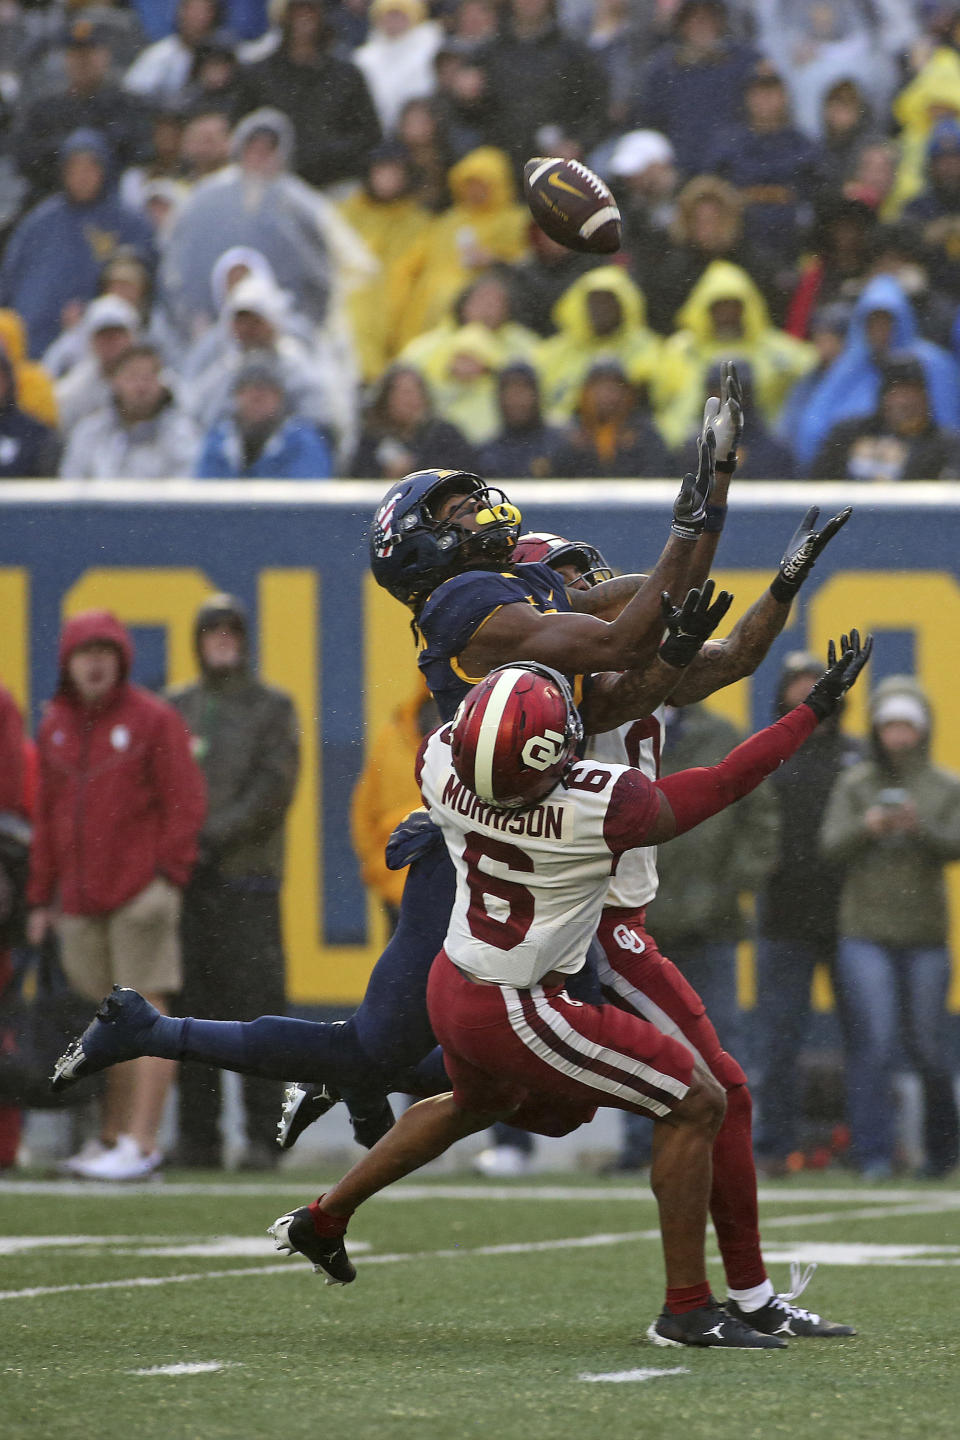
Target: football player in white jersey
column 534, row 834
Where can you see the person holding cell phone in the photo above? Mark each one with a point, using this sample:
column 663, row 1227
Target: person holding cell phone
column 893, row 824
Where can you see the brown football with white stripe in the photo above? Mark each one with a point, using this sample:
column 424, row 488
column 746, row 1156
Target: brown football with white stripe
column 572, row 205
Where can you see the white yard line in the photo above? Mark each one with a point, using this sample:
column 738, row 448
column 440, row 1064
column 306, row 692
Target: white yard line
column 932, row 1205
column 189, row 1367
column 623, row 1377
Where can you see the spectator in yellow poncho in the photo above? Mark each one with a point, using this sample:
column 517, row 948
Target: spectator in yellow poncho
column 387, row 791
column 601, row 317
column 384, row 213
column 932, row 95
column 463, row 382
column 725, row 318
column 483, row 225
column 487, row 302
column 35, row 394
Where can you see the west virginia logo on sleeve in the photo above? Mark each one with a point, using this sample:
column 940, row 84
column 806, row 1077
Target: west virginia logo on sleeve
column 542, row 751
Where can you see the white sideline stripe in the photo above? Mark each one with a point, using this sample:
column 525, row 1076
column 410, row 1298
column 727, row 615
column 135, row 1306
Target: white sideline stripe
column 622, row 1377
column 769, row 1194
column 191, row 1367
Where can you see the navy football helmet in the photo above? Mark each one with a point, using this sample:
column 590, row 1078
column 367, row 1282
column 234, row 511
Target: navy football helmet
column 554, row 550
column 411, row 553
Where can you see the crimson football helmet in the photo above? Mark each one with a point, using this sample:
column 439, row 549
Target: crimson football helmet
column 554, row 550
column 514, row 735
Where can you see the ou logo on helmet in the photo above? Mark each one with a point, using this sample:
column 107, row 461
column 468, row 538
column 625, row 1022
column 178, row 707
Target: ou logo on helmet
column 542, row 751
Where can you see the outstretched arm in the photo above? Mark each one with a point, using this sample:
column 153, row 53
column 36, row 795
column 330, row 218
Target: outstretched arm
column 580, row 643
column 721, row 662
column 616, row 697
column 689, row 797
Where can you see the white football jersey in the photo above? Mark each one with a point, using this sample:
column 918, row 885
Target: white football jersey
column 531, row 883
column 639, row 743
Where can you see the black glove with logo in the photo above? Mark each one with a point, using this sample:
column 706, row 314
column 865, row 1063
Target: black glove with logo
column 690, row 506
column 690, row 624
column 825, row 697
column 802, row 551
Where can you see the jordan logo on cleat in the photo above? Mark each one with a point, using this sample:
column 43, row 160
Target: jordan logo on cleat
column 784, row 1329
column 717, row 1330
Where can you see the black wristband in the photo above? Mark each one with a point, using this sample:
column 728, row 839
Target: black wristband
column 781, row 590
column 687, row 529
column 716, row 516
column 726, row 467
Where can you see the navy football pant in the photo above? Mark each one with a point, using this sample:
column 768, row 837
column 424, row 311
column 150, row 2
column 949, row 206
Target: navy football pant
column 386, row 1045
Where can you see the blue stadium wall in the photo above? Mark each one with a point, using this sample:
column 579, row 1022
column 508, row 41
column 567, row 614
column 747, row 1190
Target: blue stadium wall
column 296, row 554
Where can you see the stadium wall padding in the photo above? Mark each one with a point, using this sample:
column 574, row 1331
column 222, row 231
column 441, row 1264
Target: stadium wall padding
column 296, row 554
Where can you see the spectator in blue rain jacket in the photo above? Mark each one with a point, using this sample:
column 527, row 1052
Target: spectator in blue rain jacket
column 261, row 440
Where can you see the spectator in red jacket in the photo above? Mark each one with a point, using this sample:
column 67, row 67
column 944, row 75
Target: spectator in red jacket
column 120, row 802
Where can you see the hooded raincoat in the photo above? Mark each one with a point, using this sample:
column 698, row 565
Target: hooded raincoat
column 119, row 799
column 563, row 360
column 851, row 386
column 459, row 243
column 777, row 359
column 58, row 250
column 893, row 890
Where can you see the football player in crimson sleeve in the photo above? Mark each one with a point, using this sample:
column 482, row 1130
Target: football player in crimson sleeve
column 528, row 823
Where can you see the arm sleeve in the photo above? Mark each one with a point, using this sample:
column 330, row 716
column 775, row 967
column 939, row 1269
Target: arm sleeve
column 843, row 833
column 266, row 798
column 940, row 823
column 182, row 796
column 695, row 795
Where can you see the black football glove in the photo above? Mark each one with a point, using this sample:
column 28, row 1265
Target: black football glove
column 825, row 697
column 690, row 624
column 690, row 506
column 802, row 551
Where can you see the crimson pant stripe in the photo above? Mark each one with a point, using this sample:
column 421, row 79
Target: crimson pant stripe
column 590, row 1063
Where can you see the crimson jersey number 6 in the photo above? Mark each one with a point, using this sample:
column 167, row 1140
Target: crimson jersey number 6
column 507, row 933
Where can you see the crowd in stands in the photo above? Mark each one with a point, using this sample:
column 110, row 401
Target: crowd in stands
column 242, row 239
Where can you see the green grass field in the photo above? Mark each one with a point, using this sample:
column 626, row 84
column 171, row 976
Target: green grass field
column 478, row 1311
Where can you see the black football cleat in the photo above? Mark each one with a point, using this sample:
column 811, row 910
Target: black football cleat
column 780, row 1317
column 369, row 1128
column 710, row 1326
column 117, row 1032
column 295, row 1234
column 302, row 1104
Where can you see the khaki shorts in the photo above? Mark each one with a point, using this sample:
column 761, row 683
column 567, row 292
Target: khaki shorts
column 137, row 945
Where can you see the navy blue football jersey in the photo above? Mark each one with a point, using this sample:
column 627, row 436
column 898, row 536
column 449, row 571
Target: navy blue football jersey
column 456, row 610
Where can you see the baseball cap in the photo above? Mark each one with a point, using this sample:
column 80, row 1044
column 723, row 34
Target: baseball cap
column 110, row 312
column 637, row 150
column 902, row 706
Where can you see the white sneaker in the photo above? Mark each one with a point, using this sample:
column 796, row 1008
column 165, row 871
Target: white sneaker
column 126, row 1161
column 90, row 1150
column 502, row 1162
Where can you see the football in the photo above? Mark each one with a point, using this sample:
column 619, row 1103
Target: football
column 572, row 205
